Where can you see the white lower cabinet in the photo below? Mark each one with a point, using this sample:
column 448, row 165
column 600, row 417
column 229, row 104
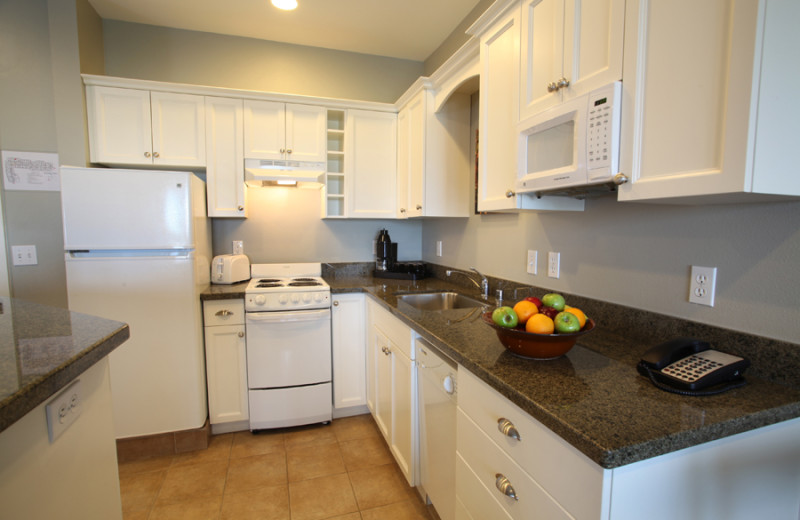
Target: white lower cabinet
column 226, row 365
column 392, row 388
column 349, row 354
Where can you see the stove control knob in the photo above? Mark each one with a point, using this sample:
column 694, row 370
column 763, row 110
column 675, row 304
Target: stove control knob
column 283, row 299
column 295, row 298
column 260, row 299
column 317, row 297
column 307, row 297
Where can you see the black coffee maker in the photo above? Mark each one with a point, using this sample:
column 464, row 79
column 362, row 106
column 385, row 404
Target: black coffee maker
column 385, row 251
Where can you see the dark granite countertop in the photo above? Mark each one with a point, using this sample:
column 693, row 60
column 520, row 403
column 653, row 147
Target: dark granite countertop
column 42, row 349
column 593, row 397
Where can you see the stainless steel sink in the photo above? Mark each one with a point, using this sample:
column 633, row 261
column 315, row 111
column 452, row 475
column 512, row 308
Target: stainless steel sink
column 440, row 301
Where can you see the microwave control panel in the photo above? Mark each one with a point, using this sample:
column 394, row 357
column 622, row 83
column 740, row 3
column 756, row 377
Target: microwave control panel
column 602, row 132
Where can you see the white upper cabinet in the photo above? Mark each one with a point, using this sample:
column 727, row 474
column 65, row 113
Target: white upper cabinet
column 284, row 131
column 225, row 188
column 568, row 48
column 709, row 113
column 370, row 152
column 142, row 128
column 411, row 156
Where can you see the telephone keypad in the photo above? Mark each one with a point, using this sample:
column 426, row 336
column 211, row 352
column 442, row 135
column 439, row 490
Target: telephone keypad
column 698, row 365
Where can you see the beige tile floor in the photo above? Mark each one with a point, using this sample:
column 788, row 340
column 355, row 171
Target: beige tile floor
column 341, row 471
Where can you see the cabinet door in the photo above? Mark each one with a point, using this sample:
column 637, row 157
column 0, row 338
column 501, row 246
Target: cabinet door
column 498, row 115
column 178, row 124
column 224, row 157
column 416, row 155
column 306, row 133
column 403, row 143
column 371, row 151
column 383, row 384
column 119, row 125
column 264, row 130
column 226, row 374
column 542, row 54
column 404, row 420
column 349, row 351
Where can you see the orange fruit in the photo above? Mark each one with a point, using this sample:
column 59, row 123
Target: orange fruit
column 525, row 310
column 578, row 313
column 540, row 324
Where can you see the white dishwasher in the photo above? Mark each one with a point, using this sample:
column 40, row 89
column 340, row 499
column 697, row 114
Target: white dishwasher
column 437, row 427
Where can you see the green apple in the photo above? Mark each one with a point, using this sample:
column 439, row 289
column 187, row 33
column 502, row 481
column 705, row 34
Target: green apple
column 554, row 300
column 566, row 322
column 505, row 317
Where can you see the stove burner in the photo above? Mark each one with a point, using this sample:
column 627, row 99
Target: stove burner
column 269, row 280
column 304, row 284
column 304, row 280
column 270, row 284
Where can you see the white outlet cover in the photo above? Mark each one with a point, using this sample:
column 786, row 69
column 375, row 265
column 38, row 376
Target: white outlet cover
column 532, row 260
column 63, row 410
column 702, row 285
column 553, row 264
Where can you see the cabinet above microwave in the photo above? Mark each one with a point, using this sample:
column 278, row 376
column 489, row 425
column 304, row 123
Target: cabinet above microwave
column 571, row 145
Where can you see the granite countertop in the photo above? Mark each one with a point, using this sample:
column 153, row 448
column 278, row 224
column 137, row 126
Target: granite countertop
column 593, row 397
column 42, row 349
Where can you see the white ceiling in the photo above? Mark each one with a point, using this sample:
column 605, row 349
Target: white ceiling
column 407, row 29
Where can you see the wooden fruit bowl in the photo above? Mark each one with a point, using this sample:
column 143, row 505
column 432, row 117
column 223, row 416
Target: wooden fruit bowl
column 536, row 346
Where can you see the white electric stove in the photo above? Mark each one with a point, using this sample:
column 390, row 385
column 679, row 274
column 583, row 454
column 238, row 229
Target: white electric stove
column 288, row 324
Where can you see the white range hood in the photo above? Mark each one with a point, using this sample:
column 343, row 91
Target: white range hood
column 267, row 172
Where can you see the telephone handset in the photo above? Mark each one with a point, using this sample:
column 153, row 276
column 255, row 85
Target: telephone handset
column 689, row 366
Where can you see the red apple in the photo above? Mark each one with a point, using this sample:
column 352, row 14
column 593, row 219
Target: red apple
column 536, row 301
column 548, row 311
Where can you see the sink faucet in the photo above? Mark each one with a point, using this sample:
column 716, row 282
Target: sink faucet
column 483, row 285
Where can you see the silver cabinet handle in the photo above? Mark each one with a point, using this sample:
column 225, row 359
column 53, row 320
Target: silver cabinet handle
column 402, row 210
column 336, row 303
column 283, row 150
column 289, row 151
column 224, row 313
column 419, row 206
column 505, row 487
column 507, row 428
column 241, row 208
column 510, row 193
column 386, row 351
column 241, row 334
column 563, row 83
column 620, row 178
column 552, row 87
column 155, row 154
column 147, row 154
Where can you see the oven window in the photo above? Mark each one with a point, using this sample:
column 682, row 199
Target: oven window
column 552, row 148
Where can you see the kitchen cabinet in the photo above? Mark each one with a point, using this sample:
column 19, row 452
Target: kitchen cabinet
column 392, row 386
column 142, row 128
column 434, row 170
column 503, row 450
column 370, row 152
column 284, row 131
column 498, row 115
column 226, row 365
column 333, row 199
column 568, row 48
column 708, row 111
column 225, row 188
column 348, row 332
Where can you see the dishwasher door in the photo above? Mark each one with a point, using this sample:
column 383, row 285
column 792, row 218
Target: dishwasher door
column 437, row 427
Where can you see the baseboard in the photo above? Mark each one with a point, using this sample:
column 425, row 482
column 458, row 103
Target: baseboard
column 338, row 413
column 163, row 444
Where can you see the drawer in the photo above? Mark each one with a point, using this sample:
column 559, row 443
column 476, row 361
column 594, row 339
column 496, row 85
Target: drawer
column 487, row 460
column 552, row 462
column 473, row 500
column 223, row 312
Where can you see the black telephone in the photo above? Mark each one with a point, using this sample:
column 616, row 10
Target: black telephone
column 689, row 366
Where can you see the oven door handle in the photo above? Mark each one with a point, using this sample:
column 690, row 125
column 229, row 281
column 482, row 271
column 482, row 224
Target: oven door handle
column 285, row 317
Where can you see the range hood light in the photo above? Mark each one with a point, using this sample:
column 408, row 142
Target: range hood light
column 261, row 172
column 287, row 183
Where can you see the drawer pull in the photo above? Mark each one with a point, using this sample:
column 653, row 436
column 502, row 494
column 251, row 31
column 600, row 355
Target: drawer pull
column 241, row 334
column 224, row 313
column 505, row 486
column 507, row 428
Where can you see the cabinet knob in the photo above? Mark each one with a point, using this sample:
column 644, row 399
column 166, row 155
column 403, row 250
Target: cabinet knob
column 505, row 487
column 336, row 303
column 283, row 150
column 224, row 313
column 552, row 87
column 507, row 428
column 402, row 210
column 147, row 154
column 241, row 208
column 419, row 207
column 155, row 154
column 386, row 350
column 289, row 151
column 620, row 178
column 563, row 83
column 510, row 193
column 241, row 334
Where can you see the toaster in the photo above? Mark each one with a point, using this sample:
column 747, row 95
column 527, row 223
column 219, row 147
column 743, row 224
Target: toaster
column 228, row 269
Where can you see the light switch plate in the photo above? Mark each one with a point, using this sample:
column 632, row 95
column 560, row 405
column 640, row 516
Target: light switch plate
column 533, row 256
column 63, row 410
column 24, row 255
column 238, row 247
column 438, row 248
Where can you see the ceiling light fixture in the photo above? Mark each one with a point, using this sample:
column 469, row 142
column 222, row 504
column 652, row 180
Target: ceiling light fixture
column 286, row 5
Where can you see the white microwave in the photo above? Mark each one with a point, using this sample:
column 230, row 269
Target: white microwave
column 575, row 143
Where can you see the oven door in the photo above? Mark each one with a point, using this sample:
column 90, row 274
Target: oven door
column 288, row 348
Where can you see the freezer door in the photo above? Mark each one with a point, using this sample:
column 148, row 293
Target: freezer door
column 126, row 209
column 158, row 375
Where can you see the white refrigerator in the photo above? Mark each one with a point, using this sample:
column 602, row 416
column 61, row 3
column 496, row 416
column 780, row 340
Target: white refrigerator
column 137, row 249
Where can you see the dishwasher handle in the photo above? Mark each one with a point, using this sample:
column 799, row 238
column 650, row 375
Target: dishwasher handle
column 288, row 317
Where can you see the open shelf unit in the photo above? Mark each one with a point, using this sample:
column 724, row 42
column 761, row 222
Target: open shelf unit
column 335, row 177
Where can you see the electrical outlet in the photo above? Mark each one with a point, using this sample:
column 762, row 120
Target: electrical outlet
column 24, row 255
column 533, row 257
column 553, row 264
column 238, row 247
column 438, row 248
column 702, row 285
column 63, row 410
